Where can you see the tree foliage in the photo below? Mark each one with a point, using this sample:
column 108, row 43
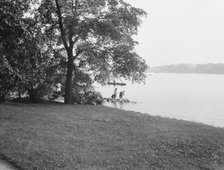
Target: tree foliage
column 11, row 30
column 43, row 42
column 97, row 38
column 27, row 61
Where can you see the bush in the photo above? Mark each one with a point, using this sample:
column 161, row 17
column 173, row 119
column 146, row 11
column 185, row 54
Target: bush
column 43, row 92
column 89, row 97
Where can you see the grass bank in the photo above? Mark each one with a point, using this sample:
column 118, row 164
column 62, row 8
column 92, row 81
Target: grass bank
column 57, row 136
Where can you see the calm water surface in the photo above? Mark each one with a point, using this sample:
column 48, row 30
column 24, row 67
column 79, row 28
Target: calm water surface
column 192, row 97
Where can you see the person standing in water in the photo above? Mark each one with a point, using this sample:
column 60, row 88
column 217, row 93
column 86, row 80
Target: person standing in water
column 121, row 95
column 115, row 94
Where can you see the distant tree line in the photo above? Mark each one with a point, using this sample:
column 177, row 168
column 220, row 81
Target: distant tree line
column 190, row 68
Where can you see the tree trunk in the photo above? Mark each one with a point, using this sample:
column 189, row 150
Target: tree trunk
column 69, row 79
column 33, row 95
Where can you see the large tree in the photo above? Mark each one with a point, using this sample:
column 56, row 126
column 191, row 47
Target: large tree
column 27, row 60
column 11, row 33
column 97, row 38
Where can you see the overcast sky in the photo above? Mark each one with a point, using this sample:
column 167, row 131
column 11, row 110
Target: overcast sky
column 181, row 31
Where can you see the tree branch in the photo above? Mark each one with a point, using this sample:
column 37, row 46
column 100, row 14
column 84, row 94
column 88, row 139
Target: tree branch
column 77, row 53
column 76, row 39
column 71, row 43
column 61, row 26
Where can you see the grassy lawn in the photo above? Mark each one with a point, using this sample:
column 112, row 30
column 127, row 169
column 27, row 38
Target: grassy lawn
column 69, row 137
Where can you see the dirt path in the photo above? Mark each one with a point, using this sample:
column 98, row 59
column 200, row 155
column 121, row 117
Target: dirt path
column 5, row 166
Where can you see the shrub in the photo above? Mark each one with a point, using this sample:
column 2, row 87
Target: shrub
column 43, row 92
column 89, row 97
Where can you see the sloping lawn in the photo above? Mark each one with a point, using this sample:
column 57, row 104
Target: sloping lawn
column 69, row 137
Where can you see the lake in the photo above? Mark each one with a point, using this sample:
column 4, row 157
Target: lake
column 191, row 97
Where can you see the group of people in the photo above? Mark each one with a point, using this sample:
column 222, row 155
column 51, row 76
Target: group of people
column 114, row 96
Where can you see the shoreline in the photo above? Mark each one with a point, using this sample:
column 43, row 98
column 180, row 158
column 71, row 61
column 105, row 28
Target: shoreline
column 57, row 136
column 109, row 104
column 130, row 105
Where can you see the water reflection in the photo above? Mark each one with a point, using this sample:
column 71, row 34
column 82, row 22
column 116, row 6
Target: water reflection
column 117, row 104
column 130, row 105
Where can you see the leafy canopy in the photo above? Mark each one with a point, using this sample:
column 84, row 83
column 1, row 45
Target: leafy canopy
column 99, row 34
column 44, row 40
column 26, row 59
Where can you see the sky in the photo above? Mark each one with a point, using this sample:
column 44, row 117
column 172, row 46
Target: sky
column 181, row 31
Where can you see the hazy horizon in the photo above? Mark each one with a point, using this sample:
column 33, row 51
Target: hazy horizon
column 181, row 31
column 187, row 64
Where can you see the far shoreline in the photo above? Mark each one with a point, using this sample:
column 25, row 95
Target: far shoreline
column 185, row 73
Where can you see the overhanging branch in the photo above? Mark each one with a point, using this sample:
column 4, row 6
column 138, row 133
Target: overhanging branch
column 61, row 26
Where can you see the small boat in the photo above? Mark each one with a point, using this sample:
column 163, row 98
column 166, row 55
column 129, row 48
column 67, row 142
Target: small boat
column 116, row 84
